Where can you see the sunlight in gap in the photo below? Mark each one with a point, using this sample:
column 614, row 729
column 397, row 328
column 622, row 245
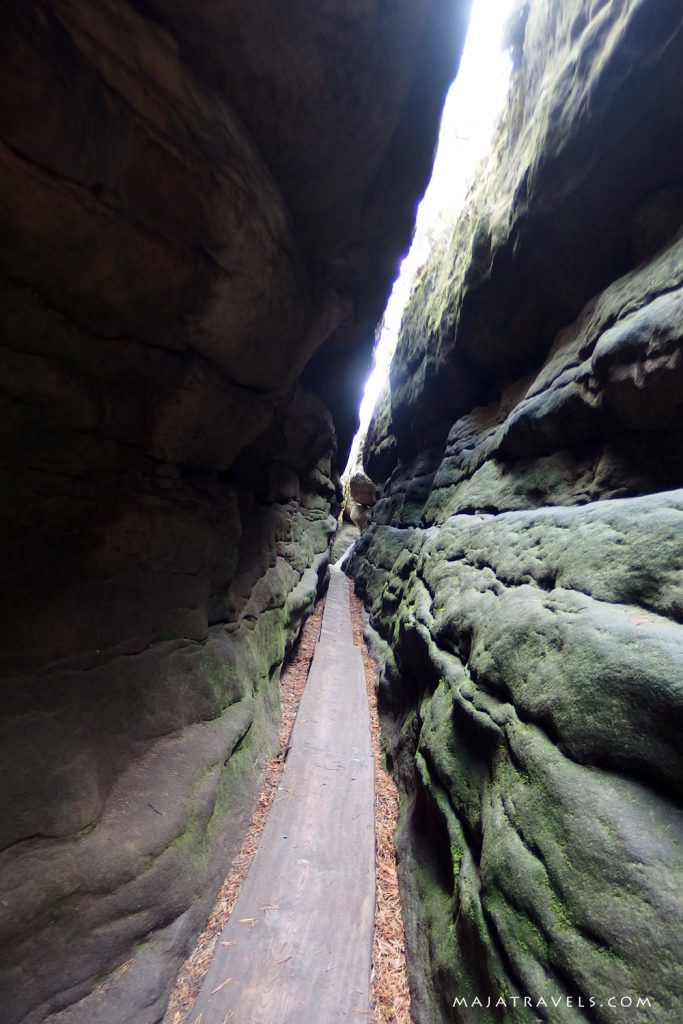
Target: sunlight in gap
column 470, row 113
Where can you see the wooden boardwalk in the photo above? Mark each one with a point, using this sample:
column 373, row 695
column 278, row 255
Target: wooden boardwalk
column 297, row 948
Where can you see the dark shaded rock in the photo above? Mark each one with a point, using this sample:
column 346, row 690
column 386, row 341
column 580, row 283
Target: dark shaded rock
column 202, row 205
column 656, row 223
column 380, row 453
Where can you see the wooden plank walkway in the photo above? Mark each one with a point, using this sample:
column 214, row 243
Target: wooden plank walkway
column 297, row 948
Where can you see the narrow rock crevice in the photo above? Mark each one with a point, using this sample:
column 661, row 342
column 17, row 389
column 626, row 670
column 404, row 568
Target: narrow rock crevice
column 203, row 212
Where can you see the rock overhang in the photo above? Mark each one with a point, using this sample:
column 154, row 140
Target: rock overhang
column 233, row 187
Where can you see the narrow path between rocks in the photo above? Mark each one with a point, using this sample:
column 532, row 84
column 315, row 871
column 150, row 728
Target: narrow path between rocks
column 292, row 685
column 297, row 947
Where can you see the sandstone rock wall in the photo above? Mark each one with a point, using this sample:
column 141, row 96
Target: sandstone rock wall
column 361, row 498
column 524, row 565
column 141, row 704
column 379, row 453
column 584, row 183
column 202, row 210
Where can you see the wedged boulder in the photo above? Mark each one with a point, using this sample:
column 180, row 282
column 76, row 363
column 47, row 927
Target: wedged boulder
column 360, row 494
column 361, row 499
column 362, row 489
column 359, row 514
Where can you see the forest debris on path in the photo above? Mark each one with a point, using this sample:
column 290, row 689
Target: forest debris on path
column 292, row 685
column 390, row 994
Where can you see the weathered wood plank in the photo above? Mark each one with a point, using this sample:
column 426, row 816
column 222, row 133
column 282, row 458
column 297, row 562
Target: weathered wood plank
column 297, row 948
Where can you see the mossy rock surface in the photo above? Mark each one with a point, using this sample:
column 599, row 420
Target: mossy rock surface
column 532, row 698
column 522, row 568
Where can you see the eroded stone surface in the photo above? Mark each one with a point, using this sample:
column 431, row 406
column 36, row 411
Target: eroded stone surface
column 533, row 697
column 201, row 205
column 588, row 145
column 524, row 564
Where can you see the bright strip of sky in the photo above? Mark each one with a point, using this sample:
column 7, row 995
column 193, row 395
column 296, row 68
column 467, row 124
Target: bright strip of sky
column 470, row 113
